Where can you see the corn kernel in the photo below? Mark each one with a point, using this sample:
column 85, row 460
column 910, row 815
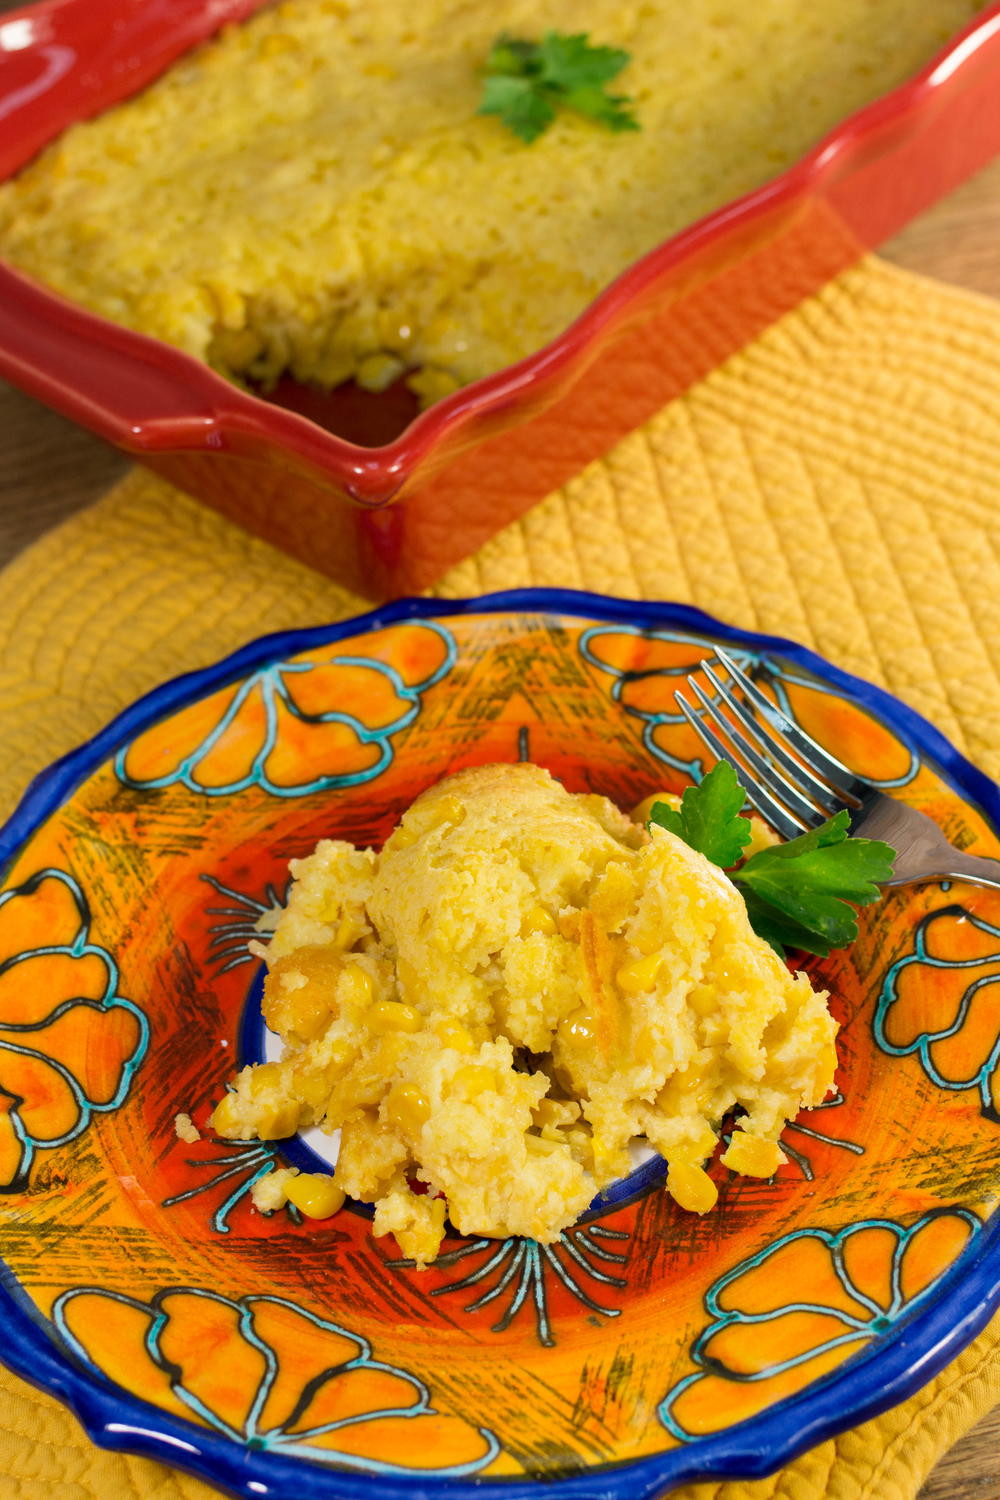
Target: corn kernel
column 639, row 974
column 431, row 383
column 275, row 1115
column 704, row 1000
column 424, row 1241
column 356, row 986
column 300, row 992
column 580, row 1143
column 384, row 1059
column 303, row 1012
column 555, row 1113
column 393, row 1015
column 406, row 1108
column 376, row 372
column 683, row 1089
column 419, row 1239
column 539, row 1146
column 453, row 1034
column 581, row 1027
column 224, row 1121
column 609, row 1161
column 475, row 1078
column 263, row 1078
column 403, row 837
column 539, row 920
column 347, row 933
column 406, row 975
column 648, row 939
column 314, row 1085
column 446, row 810
column 752, row 1155
column 691, row 1187
column 237, row 347
column 640, row 813
column 762, row 836
column 315, row 1194
column 275, row 1121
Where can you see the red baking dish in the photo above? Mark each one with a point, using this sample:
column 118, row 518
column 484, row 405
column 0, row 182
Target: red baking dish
column 392, row 518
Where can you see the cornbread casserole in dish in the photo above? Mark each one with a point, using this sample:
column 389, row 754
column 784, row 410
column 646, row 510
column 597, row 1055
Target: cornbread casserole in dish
column 314, row 191
column 520, row 984
column 481, row 456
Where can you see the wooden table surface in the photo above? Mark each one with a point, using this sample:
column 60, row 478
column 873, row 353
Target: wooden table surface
column 49, row 469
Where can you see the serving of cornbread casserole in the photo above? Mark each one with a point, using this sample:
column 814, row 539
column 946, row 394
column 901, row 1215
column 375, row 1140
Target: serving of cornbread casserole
column 496, row 1006
column 314, row 191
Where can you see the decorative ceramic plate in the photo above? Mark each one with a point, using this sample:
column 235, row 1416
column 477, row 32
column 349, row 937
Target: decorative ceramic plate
column 282, row 1357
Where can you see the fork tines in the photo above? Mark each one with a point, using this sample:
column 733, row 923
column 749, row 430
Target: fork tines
column 789, row 779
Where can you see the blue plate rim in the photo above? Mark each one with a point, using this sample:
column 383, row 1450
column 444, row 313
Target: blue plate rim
column 960, row 1307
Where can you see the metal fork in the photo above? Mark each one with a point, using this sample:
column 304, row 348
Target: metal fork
column 796, row 792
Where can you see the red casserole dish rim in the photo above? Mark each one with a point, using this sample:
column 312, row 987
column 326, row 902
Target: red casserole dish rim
column 373, row 476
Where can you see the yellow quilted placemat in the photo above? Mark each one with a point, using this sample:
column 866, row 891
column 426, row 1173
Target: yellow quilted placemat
column 838, row 482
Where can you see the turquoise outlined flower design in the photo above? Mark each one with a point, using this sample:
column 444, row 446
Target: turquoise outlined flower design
column 272, row 729
column 768, row 670
column 266, row 1373
column 70, row 1043
column 867, row 1277
column 522, row 1266
column 928, row 1044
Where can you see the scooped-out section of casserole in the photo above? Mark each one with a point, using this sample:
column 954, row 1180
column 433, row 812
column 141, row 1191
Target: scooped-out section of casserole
column 313, row 192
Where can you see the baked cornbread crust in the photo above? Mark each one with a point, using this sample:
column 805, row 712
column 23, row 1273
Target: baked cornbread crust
column 519, row 985
column 314, row 191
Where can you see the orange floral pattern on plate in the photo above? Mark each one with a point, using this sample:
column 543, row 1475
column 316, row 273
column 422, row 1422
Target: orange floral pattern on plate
column 939, row 1002
column 69, row 1042
column 646, row 668
column 262, row 1371
column 800, row 1307
column 322, row 719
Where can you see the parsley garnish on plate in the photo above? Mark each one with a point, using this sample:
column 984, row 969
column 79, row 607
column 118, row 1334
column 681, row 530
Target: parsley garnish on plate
column 708, row 817
column 801, row 894
column 526, row 82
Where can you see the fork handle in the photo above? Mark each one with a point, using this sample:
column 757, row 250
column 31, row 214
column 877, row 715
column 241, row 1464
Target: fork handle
column 954, row 866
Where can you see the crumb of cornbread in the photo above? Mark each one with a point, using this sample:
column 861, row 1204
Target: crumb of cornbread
column 186, row 1129
column 314, row 1194
column 315, row 192
column 522, row 982
column 269, row 1192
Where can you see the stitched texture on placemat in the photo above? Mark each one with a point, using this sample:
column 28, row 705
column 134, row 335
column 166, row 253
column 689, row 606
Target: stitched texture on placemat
column 835, row 482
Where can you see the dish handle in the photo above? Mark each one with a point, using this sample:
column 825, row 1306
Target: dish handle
column 136, row 386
